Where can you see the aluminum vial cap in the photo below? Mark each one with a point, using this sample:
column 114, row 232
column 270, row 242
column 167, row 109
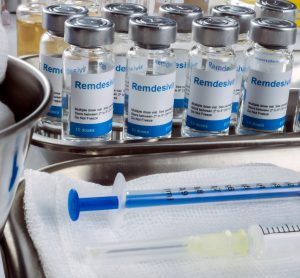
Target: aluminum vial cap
column 241, row 14
column 54, row 17
column 273, row 32
column 276, row 8
column 183, row 14
column 152, row 32
column 215, row 31
column 89, row 32
column 120, row 14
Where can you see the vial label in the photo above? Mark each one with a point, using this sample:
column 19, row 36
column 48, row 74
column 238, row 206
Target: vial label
column 265, row 99
column 70, row 67
column 91, row 107
column 150, row 104
column 76, row 66
column 119, row 90
column 210, row 99
column 182, row 64
column 52, row 69
column 240, row 69
column 135, row 65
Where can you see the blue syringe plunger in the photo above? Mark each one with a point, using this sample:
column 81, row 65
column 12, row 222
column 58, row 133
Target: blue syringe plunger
column 76, row 204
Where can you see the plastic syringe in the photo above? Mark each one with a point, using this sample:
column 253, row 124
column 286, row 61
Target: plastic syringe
column 257, row 240
column 178, row 196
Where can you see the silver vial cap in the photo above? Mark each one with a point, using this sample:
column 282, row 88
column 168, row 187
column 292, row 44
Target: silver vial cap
column 89, row 32
column 215, row 31
column 276, row 8
column 273, row 32
column 54, row 17
column 152, row 32
column 183, row 14
column 241, row 14
column 120, row 14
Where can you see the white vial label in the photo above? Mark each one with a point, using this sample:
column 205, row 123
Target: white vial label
column 52, row 69
column 150, row 104
column 265, row 99
column 91, row 106
column 119, row 93
column 240, row 69
column 76, row 66
column 182, row 62
column 210, row 99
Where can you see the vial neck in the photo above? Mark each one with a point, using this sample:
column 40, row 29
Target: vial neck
column 152, row 47
column 262, row 48
column 56, row 35
column 87, row 51
column 210, row 49
column 243, row 37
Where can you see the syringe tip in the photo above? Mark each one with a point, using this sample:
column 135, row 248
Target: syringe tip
column 73, row 204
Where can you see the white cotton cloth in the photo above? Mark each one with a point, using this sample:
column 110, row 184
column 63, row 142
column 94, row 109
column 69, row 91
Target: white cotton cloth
column 7, row 117
column 62, row 244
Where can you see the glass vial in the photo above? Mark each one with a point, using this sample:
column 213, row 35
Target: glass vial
column 267, row 79
column 184, row 15
column 244, row 16
column 211, row 77
column 52, row 46
column 29, row 27
column 120, row 14
column 276, row 8
column 88, row 78
column 150, row 80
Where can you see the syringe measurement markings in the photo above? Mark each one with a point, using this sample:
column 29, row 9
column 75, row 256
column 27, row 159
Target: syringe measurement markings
column 214, row 198
column 168, row 192
column 279, row 229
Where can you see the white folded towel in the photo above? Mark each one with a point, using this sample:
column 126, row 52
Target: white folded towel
column 61, row 243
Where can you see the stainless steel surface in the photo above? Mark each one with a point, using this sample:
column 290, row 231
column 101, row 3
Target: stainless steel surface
column 241, row 14
column 56, row 150
column 54, row 17
column 20, row 254
column 120, row 13
column 183, row 14
column 89, row 32
column 273, row 32
column 3, row 267
column 27, row 93
column 215, row 31
column 152, row 31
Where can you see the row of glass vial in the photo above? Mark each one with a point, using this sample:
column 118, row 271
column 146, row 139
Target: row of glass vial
column 29, row 18
column 141, row 117
column 183, row 15
column 52, row 46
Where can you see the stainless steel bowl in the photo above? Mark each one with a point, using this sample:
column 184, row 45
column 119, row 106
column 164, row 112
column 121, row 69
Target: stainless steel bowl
column 27, row 93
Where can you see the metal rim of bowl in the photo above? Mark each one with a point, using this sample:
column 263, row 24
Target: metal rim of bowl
column 35, row 115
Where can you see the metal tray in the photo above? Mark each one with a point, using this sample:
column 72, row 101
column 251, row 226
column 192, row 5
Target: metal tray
column 20, row 254
column 56, row 150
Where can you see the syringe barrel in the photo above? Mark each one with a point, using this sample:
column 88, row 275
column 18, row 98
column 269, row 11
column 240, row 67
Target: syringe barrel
column 274, row 241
